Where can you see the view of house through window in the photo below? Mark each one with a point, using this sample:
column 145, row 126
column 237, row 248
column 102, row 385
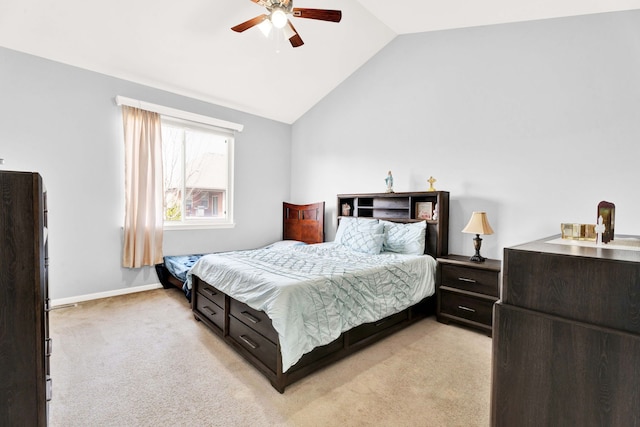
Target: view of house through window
column 197, row 180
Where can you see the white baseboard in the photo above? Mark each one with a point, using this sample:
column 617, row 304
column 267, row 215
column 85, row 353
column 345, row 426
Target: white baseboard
column 89, row 297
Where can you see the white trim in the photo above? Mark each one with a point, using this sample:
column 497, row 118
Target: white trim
column 168, row 226
column 179, row 114
column 107, row 294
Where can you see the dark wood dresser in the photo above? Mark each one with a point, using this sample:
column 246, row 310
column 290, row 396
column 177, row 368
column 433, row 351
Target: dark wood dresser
column 566, row 344
column 25, row 346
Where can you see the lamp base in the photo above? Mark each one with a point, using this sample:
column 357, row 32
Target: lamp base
column 477, row 242
column 477, row 258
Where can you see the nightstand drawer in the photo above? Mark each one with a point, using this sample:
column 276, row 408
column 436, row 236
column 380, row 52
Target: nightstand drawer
column 470, row 279
column 466, row 307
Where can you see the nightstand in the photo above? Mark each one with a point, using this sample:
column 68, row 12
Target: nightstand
column 467, row 290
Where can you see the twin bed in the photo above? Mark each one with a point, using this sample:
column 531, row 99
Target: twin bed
column 297, row 305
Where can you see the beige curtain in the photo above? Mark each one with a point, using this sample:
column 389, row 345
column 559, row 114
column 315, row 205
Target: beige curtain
column 143, row 188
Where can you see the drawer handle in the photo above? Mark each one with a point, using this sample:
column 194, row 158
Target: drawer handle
column 464, row 279
column 248, row 342
column 380, row 323
column 250, row 317
column 49, row 389
column 462, row 307
column 210, row 291
column 210, row 310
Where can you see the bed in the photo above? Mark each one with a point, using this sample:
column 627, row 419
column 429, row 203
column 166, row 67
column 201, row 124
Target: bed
column 300, row 223
column 298, row 305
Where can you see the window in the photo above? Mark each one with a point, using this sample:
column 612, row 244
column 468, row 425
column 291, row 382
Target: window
column 198, row 174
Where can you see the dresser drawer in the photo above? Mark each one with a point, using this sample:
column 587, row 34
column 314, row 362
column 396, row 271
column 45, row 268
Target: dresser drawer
column 470, row 279
column 211, row 293
column 255, row 319
column 210, row 310
column 466, row 307
column 254, row 343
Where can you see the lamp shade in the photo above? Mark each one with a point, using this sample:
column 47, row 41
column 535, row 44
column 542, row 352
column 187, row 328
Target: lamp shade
column 478, row 224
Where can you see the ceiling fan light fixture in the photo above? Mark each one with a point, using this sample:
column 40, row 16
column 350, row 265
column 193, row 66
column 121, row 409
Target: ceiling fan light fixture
column 278, row 18
column 265, row 27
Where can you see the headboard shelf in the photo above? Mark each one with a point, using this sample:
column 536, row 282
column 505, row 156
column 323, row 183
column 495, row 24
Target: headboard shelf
column 432, row 206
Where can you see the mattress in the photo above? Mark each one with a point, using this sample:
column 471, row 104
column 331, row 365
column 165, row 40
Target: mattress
column 313, row 293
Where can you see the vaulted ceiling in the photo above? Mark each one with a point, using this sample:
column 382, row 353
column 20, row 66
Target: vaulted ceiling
column 187, row 46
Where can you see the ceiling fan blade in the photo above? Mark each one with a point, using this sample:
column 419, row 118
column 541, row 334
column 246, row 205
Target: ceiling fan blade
column 260, row 2
column 321, row 14
column 295, row 39
column 250, row 23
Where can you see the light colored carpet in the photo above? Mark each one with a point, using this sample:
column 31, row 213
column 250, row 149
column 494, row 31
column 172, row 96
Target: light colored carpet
column 143, row 360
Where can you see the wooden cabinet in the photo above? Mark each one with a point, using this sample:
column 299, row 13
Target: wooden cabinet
column 404, row 207
column 467, row 291
column 566, row 345
column 25, row 346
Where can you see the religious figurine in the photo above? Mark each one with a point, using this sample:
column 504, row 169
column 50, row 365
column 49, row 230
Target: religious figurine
column 600, row 229
column 607, row 211
column 389, row 181
column 431, row 180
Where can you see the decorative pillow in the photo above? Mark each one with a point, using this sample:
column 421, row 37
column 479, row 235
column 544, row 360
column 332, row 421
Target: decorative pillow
column 406, row 239
column 361, row 235
column 349, row 223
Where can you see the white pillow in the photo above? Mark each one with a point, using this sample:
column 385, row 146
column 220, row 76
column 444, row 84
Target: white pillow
column 361, row 235
column 350, row 222
column 406, row 239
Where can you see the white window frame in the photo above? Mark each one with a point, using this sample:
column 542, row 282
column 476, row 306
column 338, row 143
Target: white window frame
column 194, row 223
column 196, row 120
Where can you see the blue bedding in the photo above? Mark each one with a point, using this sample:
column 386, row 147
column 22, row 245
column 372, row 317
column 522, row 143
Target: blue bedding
column 178, row 266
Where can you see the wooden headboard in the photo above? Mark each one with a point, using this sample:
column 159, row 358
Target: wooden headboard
column 304, row 223
column 404, row 207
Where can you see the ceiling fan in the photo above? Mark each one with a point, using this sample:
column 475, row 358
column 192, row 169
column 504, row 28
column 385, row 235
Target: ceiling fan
column 277, row 17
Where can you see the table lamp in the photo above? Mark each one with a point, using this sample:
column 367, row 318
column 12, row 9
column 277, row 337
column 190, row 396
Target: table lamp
column 478, row 224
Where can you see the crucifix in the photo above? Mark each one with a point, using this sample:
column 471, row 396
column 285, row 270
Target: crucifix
column 431, row 180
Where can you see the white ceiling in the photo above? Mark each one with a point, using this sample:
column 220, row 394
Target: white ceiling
column 187, row 46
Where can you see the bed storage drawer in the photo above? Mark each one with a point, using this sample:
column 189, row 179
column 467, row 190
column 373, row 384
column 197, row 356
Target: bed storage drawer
column 467, row 307
column 254, row 343
column 255, row 319
column 210, row 310
column 319, row 353
column 211, row 293
column 363, row 331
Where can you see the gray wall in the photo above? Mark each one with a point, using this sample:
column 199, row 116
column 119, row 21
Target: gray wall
column 62, row 122
column 534, row 122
